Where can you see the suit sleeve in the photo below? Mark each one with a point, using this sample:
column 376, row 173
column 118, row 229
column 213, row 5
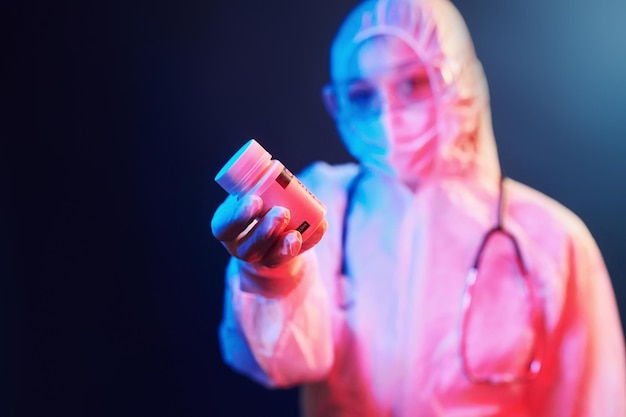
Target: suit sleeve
column 587, row 376
column 282, row 341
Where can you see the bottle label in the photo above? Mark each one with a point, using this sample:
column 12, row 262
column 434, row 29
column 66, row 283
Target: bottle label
column 303, row 227
column 284, row 178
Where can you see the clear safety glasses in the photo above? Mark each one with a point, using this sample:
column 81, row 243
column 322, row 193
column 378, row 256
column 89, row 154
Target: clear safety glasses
column 401, row 87
column 530, row 366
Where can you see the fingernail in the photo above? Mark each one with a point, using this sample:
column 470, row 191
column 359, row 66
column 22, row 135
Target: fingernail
column 286, row 215
column 255, row 204
column 281, row 215
column 289, row 245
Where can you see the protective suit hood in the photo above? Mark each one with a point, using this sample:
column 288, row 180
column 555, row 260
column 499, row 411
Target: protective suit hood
column 437, row 32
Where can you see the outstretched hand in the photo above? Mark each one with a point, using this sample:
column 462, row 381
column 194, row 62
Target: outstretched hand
column 257, row 234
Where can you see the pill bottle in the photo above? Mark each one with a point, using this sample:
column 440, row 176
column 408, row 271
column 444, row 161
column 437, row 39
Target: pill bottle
column 253, row 171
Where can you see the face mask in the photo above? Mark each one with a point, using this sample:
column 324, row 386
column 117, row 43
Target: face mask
column 401, row 143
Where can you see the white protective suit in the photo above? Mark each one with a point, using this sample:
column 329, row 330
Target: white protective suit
column 380, row 335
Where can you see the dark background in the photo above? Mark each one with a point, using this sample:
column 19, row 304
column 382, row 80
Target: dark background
column 116, row 115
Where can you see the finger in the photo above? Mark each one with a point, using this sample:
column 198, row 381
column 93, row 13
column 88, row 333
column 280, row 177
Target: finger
column 315, row 237
column 286, row 247
column 253, row 246
column 234, row 215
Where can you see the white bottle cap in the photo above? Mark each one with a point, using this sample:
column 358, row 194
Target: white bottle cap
column 244, row 168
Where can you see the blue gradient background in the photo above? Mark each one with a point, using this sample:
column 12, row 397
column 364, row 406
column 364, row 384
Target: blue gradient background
column 116, row 117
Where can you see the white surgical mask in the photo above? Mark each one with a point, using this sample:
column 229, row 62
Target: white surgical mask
column 401, row 142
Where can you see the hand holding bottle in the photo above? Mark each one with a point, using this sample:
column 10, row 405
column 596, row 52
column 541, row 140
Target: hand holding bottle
column 254, row 234
column 270, row 216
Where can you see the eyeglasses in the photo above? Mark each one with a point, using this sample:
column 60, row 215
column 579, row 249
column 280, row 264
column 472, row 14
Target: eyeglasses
column 530, row 367
column 401, row 87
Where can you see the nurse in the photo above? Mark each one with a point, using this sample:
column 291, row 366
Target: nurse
column 435, row 286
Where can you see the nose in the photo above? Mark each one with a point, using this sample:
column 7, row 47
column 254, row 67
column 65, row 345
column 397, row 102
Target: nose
column 389, row 98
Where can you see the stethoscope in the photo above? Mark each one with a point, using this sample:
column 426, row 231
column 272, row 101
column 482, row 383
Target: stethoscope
column 535, row 360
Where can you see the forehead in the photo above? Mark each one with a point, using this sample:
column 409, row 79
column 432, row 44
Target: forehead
column 378, row 54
